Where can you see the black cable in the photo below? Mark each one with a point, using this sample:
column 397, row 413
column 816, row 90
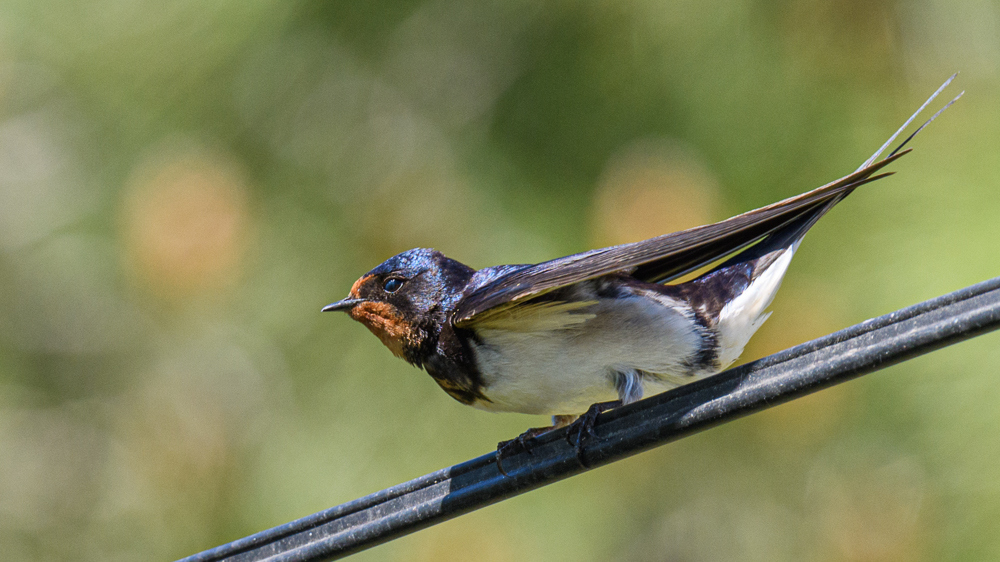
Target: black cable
column 625, row 431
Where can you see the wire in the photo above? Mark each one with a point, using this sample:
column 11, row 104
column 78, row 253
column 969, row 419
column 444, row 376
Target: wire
column 450, row 492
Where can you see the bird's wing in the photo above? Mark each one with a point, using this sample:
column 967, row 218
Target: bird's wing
column 672, row 255
column 657, row 259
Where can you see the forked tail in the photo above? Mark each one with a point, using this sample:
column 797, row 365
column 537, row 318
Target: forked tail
column 792, row 233
column 754, row 275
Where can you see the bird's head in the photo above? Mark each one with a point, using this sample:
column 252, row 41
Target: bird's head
column 405, row 300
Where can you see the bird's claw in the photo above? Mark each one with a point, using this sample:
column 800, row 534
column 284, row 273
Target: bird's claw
column 579, row 430
column 523, row 443
column 583, row 427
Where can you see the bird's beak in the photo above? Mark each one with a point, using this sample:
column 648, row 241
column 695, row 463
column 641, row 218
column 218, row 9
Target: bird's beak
column 345, row 304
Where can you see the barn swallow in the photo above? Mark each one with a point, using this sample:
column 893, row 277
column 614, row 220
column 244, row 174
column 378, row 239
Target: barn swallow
column 591, row 331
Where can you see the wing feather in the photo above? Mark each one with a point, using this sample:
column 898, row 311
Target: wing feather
column 657, row 259
column 536, row 316
column 665, row 257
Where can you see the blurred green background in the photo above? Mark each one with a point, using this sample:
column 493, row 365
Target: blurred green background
column 184, row 184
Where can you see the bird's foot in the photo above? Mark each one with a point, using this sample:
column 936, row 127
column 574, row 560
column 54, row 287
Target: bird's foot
column 583, row 427
column 523, row 443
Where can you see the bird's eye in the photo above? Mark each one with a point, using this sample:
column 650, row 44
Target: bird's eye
column 392, row 284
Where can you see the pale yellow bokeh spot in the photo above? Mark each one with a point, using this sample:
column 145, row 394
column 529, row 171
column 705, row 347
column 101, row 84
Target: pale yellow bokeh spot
column 649, row 188
column 871, row 503
column 185, row 221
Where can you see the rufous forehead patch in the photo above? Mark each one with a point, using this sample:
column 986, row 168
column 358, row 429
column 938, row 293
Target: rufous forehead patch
column 385, row 321
column 356, row 287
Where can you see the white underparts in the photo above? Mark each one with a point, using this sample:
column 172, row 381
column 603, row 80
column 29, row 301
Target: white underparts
column 741, row 318
column 629, row 386
column 556, row 364
column 560, row 357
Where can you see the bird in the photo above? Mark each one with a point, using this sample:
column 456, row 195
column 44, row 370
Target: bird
column 575, row 336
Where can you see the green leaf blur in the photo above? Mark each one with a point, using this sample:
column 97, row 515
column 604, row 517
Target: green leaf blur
column 184, row 184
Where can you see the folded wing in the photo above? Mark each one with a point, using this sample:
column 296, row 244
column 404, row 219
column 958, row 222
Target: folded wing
column 662, row 258
column 667, row 257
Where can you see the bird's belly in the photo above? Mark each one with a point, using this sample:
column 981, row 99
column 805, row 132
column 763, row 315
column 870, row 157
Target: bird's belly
column 541, row 375
column 564, row 371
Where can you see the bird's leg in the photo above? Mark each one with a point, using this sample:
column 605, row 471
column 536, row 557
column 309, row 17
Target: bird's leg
column 526, row 441
column 583, row 427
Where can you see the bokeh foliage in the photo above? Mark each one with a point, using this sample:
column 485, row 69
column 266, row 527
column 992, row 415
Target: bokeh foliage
column 183, row 185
